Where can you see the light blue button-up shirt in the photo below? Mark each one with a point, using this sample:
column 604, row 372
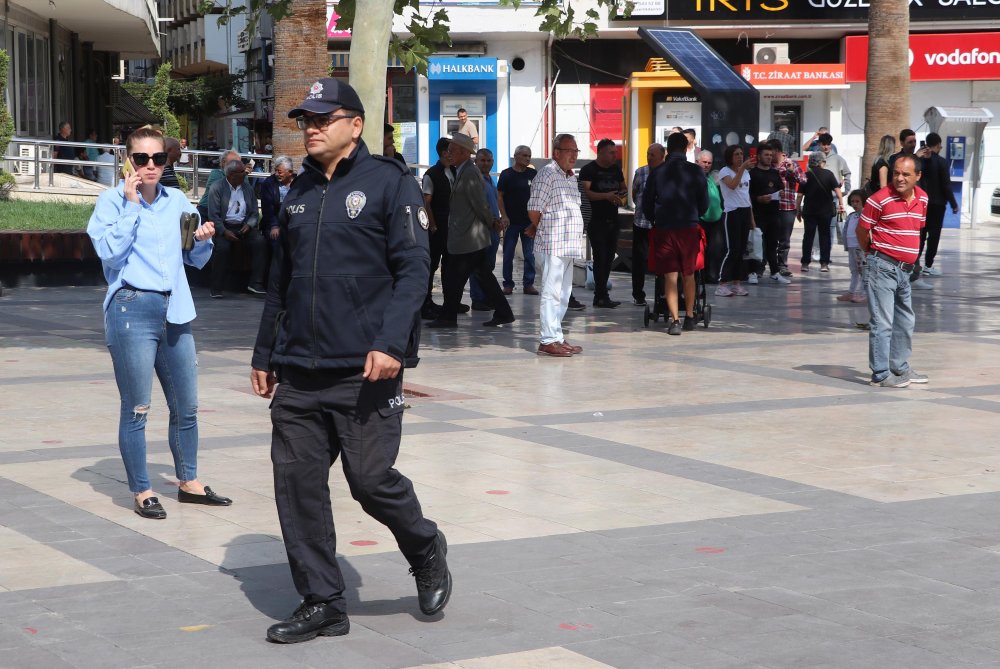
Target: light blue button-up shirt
column 140, row 244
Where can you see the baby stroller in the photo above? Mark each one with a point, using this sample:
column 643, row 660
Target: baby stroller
column 702, row 310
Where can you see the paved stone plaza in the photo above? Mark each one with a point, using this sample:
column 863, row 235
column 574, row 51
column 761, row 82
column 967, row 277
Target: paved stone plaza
column 735, row 497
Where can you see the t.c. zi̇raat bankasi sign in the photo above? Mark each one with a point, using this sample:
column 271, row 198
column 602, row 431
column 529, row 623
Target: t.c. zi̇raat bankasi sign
column 823, row 10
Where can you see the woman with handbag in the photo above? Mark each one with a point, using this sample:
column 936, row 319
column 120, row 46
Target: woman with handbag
column 737, row 219
column 148, row 309
column 817, row 193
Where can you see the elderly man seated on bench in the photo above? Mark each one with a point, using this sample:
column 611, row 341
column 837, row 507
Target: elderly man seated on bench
column 232, row 206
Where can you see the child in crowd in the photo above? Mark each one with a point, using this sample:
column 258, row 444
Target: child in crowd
column 855, row 256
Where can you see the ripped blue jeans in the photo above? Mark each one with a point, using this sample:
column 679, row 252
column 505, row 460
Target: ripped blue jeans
column 141, row 341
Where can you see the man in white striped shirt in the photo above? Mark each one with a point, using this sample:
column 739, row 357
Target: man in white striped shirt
column 557, row 227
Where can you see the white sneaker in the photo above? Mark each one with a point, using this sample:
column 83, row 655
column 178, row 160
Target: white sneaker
column 723, row 291
column 931, row 271
column 815, row 256
column 780, row 278
column 920, row 284
column 752, row 279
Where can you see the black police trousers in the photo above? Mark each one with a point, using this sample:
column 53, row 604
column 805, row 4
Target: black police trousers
column 317, row 416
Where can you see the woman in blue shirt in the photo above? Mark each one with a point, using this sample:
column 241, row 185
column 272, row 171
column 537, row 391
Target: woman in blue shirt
column 136, row 231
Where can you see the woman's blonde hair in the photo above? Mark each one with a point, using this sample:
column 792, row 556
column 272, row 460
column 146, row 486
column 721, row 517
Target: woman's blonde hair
column 145, row 132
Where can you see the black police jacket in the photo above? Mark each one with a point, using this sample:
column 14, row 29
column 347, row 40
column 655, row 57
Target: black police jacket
column 351, row 270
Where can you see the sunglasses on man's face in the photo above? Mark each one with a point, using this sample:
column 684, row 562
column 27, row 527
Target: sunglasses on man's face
column 142, row 159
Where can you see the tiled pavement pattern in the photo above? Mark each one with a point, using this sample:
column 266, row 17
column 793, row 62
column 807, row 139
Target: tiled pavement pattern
column 734, row 497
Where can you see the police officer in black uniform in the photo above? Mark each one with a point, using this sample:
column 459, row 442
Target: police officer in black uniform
column 340, row 321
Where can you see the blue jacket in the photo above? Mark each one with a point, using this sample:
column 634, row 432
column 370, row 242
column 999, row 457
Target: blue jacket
column 350, row 272
column 676, row 194
column 270, row 203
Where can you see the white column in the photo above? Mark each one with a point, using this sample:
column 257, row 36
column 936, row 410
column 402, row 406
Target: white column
column 504, row 150
column 423, row 120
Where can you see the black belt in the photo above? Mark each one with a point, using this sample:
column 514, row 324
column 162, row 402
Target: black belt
column 128, row 286
column 905, row 266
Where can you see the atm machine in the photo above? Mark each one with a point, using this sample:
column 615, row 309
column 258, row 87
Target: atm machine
column 961, row 129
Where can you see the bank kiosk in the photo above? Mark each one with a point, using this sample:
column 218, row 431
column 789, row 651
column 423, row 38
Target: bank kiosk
column 477, row 84
column 961, row 129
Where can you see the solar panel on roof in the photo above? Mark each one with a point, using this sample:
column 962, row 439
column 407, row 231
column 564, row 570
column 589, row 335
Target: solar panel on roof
column 696, row 61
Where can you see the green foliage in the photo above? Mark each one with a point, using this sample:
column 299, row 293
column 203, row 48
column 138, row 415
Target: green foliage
column 428, row 32
column 7, row 184
column 22, row 215
column 182, row 180
column 196, row 97
column 6, row 122
column 158, row 101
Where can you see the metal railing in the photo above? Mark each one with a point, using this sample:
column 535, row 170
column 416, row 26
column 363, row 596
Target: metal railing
column 200, row 164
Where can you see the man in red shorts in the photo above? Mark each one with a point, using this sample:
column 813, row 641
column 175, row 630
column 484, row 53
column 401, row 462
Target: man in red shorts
column 676, row 196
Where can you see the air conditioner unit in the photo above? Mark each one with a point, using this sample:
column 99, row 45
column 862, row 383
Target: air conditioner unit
column 26, row 167
column 770, row 54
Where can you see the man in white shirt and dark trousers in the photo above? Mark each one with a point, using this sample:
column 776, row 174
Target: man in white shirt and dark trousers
column 232, row 206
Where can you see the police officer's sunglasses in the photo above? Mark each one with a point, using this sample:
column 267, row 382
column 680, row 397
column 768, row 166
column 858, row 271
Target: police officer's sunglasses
column 319, row 121
column 142, row 159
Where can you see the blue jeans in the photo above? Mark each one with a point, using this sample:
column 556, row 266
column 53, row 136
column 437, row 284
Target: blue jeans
column 141, row 341
column 891, row 334
column 510, row 238
column 476, row 291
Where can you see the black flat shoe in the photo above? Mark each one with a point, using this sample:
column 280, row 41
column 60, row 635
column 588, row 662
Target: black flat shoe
column 150, row 508
column 209, row 498
column 309, row 621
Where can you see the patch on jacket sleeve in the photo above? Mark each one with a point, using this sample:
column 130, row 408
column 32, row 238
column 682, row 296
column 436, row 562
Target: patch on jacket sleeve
column 422, row 218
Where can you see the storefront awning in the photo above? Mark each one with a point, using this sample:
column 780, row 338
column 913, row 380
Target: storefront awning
column 127, row 111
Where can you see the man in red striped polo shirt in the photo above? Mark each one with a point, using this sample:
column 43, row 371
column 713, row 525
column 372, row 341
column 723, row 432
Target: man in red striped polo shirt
column 889, row 232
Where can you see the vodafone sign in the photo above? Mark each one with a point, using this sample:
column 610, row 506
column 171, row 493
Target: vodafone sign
column 936, row 57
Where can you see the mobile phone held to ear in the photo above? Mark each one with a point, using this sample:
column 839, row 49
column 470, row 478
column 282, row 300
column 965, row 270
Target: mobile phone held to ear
column 127, row 168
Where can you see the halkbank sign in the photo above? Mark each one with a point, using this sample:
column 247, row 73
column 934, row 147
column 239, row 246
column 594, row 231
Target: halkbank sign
column 462, row 68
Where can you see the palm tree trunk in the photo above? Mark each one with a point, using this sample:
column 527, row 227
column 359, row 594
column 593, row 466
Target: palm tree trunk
column 300, row 59
column 369, row 59
column 887, row 92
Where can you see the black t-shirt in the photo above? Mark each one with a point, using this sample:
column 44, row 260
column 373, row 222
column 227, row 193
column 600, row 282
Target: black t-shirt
column 764, row 182
column 817, row 192
column 873, row 181
column 603, row 180
column 516, row 189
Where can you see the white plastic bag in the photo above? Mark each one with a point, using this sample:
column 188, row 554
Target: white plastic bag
column 755, row 245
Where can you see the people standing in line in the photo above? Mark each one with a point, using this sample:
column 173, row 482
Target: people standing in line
column 889, row 232
column 340, row 322
column 813, row 143
column 815, row 205
column 675, row 198
column 436, row 187
column 855, row 256
column 655, row 155
column 467, row 127
column 484, row 163
column 711, row 221
column 737, row 219
column 936, row 182
column 604, row 185
column 692, row 151
column 557, row 228
column 63, row 152
column 470, row 221
column 169, row 177
column 232, row 203
column 791, row 176
column 766, row 186
column 879, row 176
column 148, row 309
column 784, row 138
column 514, row 191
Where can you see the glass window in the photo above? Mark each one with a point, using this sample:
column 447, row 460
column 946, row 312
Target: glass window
column 22, row 84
